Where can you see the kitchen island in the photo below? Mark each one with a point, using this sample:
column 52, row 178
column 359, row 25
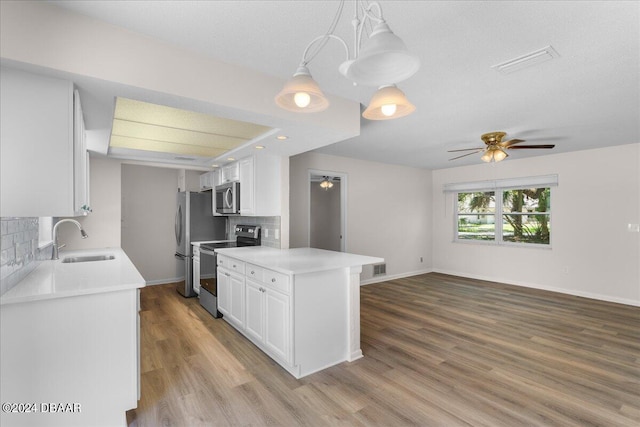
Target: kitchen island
column 300, row 306
column 69, row 349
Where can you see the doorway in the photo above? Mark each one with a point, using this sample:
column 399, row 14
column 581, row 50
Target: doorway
column 327, row 210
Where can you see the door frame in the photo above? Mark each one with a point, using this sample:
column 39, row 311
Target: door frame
column 343, row 204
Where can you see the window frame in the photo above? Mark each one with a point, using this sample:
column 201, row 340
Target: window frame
column 498, row 214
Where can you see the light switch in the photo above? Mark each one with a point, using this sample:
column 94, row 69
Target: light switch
column 633, row 228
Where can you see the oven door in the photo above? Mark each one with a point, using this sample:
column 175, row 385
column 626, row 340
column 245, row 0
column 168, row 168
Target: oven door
column 208, row 282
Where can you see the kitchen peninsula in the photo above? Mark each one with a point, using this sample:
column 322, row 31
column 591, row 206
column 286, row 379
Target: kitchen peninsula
column 300, row 306
column 70, row 341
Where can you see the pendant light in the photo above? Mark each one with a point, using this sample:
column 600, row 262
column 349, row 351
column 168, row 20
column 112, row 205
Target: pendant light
column 383, row 61
column 388, row 102
column 302, row 94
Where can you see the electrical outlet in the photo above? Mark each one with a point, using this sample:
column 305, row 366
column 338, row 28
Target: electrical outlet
column 633, row 228
column 277, row 233
column 266, row 232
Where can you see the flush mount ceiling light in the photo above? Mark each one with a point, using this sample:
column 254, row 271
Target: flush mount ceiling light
column 382, row 61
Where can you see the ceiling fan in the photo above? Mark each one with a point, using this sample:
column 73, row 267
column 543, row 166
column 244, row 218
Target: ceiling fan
column 495, row 147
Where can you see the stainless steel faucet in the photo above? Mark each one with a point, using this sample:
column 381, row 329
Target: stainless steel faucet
column 56, row 248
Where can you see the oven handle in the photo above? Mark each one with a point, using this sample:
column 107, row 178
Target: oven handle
column 207, row 252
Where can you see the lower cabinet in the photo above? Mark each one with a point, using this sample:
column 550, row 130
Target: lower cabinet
column 80, row 354
column 268, row 318
column 300, row 320
column 231, row 296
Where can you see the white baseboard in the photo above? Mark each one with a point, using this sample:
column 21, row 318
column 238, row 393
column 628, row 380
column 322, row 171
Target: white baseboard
column 384, row 278
column 164, row 281
column 573, row 292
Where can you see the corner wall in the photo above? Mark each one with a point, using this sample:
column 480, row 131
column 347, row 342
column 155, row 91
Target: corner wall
column 388, row 211
column 592, row 253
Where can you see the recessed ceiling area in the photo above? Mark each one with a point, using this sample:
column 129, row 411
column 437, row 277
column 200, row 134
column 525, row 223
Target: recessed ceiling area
column 145, row 126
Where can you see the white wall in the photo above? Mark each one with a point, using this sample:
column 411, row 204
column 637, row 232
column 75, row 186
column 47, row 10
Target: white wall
column 388, row 211
column 148, row 208
column 103, row 224
column 592, row 253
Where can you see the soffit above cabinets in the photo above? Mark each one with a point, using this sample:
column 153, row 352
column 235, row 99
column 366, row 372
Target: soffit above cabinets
column 148, row 127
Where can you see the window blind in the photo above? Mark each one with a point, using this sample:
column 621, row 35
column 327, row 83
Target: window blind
column 523, row 182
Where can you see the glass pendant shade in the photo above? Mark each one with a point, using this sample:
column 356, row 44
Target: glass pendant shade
column 387, row 103
column 494, row 153
column 301, row 94
column 383, row 59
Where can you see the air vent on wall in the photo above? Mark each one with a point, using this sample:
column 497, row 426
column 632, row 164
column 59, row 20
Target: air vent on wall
column 379, row 269
column 185, row 159
column 528, row 60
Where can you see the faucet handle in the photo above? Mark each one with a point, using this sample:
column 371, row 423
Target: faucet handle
column 62, row 246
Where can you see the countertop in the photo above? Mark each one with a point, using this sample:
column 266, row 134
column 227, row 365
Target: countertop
column 297, row 260
column 55, row 279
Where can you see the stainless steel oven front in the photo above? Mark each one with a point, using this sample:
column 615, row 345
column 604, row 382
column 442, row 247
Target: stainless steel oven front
column 208, row 282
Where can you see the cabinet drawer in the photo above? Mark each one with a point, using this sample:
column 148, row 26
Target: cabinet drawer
column 254, row 272
column 276, row 280
column 231, row 264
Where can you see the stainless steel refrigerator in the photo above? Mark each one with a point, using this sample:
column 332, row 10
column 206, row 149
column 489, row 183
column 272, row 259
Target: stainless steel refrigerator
column 194, row 222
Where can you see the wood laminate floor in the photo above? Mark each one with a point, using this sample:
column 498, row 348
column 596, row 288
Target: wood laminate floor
column 439, row 351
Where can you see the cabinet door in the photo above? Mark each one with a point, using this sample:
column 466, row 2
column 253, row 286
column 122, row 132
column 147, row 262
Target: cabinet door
column 196, row 273
column 247, row 187
column 277, row 323
column 255, row 310
column 236, row 305
column 224, row 292
column 79, row 159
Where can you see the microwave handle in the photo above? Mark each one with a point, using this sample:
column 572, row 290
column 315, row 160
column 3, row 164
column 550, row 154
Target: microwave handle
column 227, row 200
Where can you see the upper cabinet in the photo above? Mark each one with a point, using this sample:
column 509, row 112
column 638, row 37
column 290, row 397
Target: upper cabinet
column 230, row 173
column 206, row 181
column 43, row 157
column 260, row 182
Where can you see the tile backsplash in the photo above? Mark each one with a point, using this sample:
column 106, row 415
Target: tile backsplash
column 268, row 224
column 18, row 250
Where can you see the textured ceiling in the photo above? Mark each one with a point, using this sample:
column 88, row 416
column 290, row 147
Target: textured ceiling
column 588, row 97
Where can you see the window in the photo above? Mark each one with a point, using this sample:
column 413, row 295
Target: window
column 504, row 211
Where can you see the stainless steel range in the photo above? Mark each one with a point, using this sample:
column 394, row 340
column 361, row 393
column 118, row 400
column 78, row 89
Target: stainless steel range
column 246, row 235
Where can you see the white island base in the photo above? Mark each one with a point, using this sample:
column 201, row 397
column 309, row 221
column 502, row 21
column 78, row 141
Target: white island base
column 300, row 306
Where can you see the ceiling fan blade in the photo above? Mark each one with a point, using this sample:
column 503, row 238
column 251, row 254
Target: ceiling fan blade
column 532, row 146
column 466, row 149
column 511, row 142
column 468, row 154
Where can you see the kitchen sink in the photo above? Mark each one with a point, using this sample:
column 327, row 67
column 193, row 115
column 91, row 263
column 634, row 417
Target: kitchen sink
column 88, row 258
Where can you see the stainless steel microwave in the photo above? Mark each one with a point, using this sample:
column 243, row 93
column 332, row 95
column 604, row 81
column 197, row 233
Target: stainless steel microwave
column 228, row 198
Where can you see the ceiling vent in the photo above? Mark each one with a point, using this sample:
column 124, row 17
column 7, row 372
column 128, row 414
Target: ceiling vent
column 529, row 60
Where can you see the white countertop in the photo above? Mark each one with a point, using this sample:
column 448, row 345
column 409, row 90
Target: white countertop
column 297, row 260
column 55, row 279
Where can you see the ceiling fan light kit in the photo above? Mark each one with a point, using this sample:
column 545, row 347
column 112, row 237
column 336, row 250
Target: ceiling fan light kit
column 383, row 61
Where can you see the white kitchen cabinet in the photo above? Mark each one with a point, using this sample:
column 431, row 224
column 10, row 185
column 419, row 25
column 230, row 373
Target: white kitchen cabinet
column 206, row 181
column 196, row 269
column 43, row 170
column 260, row 185
column 82, row 349
column 231, row 284
column 268, row 317
column 230, row 172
